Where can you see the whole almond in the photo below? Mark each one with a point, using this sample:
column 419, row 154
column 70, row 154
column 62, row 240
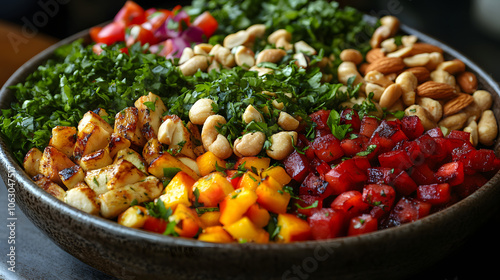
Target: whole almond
column 467, row 82
column 374, row 54
column 351, row 55
column 456, row 104
column 419, row 48
column 387, row 65
column 436, row 90
column 423, row 74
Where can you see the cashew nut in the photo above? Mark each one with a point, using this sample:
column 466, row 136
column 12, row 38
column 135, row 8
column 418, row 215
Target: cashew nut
column 442, row 76
column 303, row 47
column 454, row 122
column 270, row 55
column 212, row 140
column 201, row 110
column 390, row 95
column 192, row 65
column 249, row 144
column 424, row 116
column 244, row 57
column 472, row 129
column 287, row 122
column 376, row 89
column 280, row 33
column 408, row 82
column 187, row 53
column 348, row 69
column 281, row 144
column 224, row 56
column 251, row 114
column 378, row 78
column 483, row 99
column 432, row 106
column 487, row 128
column 166, row 131
column 236, row 39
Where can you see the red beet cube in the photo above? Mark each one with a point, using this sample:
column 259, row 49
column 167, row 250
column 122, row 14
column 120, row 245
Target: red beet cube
column 395, row 159
column 327, row 148
column 451, row 173
column 351, row 203
column 379, row 195
column 345, row 176
column 364, row 223
column 315, row 186
column 297, row 166
column 368, row 126
column 353, row 145
column 408, row 210
column 327, row 223
column 412, row 127
column 434, row 193
column 350, row 116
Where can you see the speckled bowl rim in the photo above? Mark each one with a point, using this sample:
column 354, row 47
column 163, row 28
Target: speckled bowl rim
column 9, row 163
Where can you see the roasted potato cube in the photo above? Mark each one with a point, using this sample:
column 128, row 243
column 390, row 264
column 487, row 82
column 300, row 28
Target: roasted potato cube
column 52, row 162
column 113, row 176
column 134, row 217
column 116, row 143
column 71, row 176
column 84, row 198
column 64, row 139
column 127, row 125
column 150, row 108
column 133, row 157
column 117, row 200
column 50, row 187
column 152, row 150
column 90, row 139
column 96, row 119
column 162, row 165
column 95, row 160
column 31, row 161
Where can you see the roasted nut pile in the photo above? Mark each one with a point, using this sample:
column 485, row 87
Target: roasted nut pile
column 405, row 74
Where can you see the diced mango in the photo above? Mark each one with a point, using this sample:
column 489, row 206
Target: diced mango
column 249, row 180
column 258, row 215
column 278, row 173
column 292, row 228
column 272, row 197
column 215, row 234
column 254, row 163
column 212, row 189
column 187, row 221
column 244, row 230
column 234, row 206
column 162, row 165
column 178, row 191
column 210, row 219
column 207, row 163
column 134, row 217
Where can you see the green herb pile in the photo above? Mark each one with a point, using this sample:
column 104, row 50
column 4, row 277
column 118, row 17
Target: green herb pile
column 75, row 80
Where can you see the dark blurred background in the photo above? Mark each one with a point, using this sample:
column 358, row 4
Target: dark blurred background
column 470, row 26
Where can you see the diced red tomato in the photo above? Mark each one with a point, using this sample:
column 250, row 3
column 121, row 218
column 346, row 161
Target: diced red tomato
column 111, row 33
column 130, row 13
column 345, row 176
column 158, row 18
column 137, row 33
column 207, row 23
column 368, row 126
column 155, row 224
column 395, row 159
column 327, row 223
column 354, row 144
column 320, row 118
column 362, row 224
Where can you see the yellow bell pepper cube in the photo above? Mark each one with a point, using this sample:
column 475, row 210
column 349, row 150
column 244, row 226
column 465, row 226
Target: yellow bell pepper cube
column 244, row 230
column 178, row 191
column 292, row 228
column 271, row 196
column 212, row 189
column 215, row 234
column 207, row 163
column 234, row 206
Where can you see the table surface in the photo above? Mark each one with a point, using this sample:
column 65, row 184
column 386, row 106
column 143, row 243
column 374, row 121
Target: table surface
column 37, row 257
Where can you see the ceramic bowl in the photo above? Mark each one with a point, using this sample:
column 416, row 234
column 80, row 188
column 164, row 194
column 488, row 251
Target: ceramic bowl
column 128, row 253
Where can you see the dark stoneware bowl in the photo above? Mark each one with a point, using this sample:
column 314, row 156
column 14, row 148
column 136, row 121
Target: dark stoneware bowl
column 134, row 254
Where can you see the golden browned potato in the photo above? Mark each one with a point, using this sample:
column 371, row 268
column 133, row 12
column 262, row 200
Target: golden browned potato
column 31, row 161
column 64, row 139
column 150, row 109
column 95, row 160
column 52, row 162
column 116, row 143
column 71, row 176
column 84, row 198
column 133, row 157
column 49, row 186
column 127, row 125
column 113, row 176
column 90, row 138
